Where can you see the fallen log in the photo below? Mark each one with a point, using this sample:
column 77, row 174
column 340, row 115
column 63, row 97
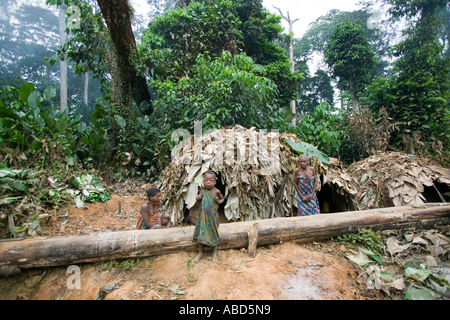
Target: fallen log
column 67, row 250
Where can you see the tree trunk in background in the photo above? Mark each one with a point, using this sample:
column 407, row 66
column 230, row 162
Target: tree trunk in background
column 291, row 56
column 131, row 86
column 62, row 63
column 86, row 88
column 355, row 104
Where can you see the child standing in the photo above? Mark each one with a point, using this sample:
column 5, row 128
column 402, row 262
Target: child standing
column 207, row 226
column 149, row 218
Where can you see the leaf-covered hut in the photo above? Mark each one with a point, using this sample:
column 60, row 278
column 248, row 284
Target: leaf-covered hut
column 254, row 170
column 396, row 179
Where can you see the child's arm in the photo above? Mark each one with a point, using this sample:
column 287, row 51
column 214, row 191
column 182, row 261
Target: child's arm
column 219, row 197
column 200, row 195
column 145, row 215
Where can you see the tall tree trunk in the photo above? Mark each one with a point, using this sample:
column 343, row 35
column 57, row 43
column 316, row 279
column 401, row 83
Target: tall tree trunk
column 62, row 63
column 291, row 56
column 86, row 87
column 132, row 86
column 355, row 104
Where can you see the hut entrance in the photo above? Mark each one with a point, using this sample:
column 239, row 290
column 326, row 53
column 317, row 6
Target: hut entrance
column 326, row 199
column 331, row 201
column 438, row 192
column 221, row 187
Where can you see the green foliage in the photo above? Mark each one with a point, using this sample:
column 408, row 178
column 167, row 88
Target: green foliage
column 126, row 264
column 322, row 129
column 417, row 94
column 365, row 237
column 225, row 91
column 174, row 40
column 350, row 57
column 189, row 31
column 92, row 190
column 315, row 90
column 40, row 134
column 407, row 272
column 308, row 150
column 318, row 35
column 142, row 146
column 22, row 187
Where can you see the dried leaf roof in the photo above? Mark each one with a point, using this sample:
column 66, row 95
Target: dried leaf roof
column 254, row 167
column 394, row 178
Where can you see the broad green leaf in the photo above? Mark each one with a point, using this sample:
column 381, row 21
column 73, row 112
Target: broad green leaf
column 419, row 274
column 19, row 185
column 36, row 144
column 70, row 160
column 33, row 100
column 143, row 122
column 7, row 113
column 308, row 150
column 419, row 294
column 15, row 230
column 49, row 93
column 35, row 223
column 25, row 91
column 386, row 276
column 120, row 121
column 6, row 172
column 372, row 255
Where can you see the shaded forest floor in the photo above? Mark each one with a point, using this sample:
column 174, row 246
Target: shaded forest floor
column 285, row 271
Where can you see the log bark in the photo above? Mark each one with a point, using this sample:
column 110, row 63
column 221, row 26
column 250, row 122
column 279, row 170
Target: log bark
column 252, row 239
column 66, row 250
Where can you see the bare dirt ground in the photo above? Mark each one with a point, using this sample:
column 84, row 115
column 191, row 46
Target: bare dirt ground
column 286, row 271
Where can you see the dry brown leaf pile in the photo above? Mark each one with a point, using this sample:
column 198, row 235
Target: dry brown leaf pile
column 396, row 179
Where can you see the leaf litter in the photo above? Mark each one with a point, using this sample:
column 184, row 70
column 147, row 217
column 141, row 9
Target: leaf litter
column 414, row 266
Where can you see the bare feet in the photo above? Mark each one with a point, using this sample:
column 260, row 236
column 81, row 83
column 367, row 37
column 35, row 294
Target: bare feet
column 200, row 253
column 215, row 258
column 197, row 257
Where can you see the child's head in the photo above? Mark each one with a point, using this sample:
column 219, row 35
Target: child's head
column 154, row 194
column 209, row 179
